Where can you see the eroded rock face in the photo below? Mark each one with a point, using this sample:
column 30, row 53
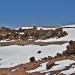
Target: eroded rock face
column 33, row 32
column 70, row 48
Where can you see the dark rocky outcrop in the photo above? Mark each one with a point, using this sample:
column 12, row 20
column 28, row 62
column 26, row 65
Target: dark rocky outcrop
column 32, row 33
column 70, row 48
column 28, row 36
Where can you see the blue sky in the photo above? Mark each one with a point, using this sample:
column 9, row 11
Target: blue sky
column 51, row 12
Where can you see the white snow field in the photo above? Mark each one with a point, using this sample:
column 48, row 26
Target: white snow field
column 61, row 65
column 14, row 55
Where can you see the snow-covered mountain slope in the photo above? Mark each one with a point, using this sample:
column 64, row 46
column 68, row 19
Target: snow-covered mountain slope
column 15, row 55
column 21, row 54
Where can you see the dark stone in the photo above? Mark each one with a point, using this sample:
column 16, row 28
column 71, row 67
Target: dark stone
column 24, row 67
column 39, row 52
column 0, row 59
column 32, row 59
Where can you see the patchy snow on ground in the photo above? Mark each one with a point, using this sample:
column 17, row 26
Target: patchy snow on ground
column 38, row 28
column 4, row 41
column 13, row 70
column 41, row 68
column 47, row 74
column 14, row 55
column 69, row 72
column 21, row 33
column 70, row 36
column 7, row 40
column 23, row 28
column 46, row 28
column 60, row 65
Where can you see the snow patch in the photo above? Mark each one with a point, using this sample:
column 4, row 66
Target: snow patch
column 14, row 55
column 69, row 72
column 60, row 65
column 41, row 68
